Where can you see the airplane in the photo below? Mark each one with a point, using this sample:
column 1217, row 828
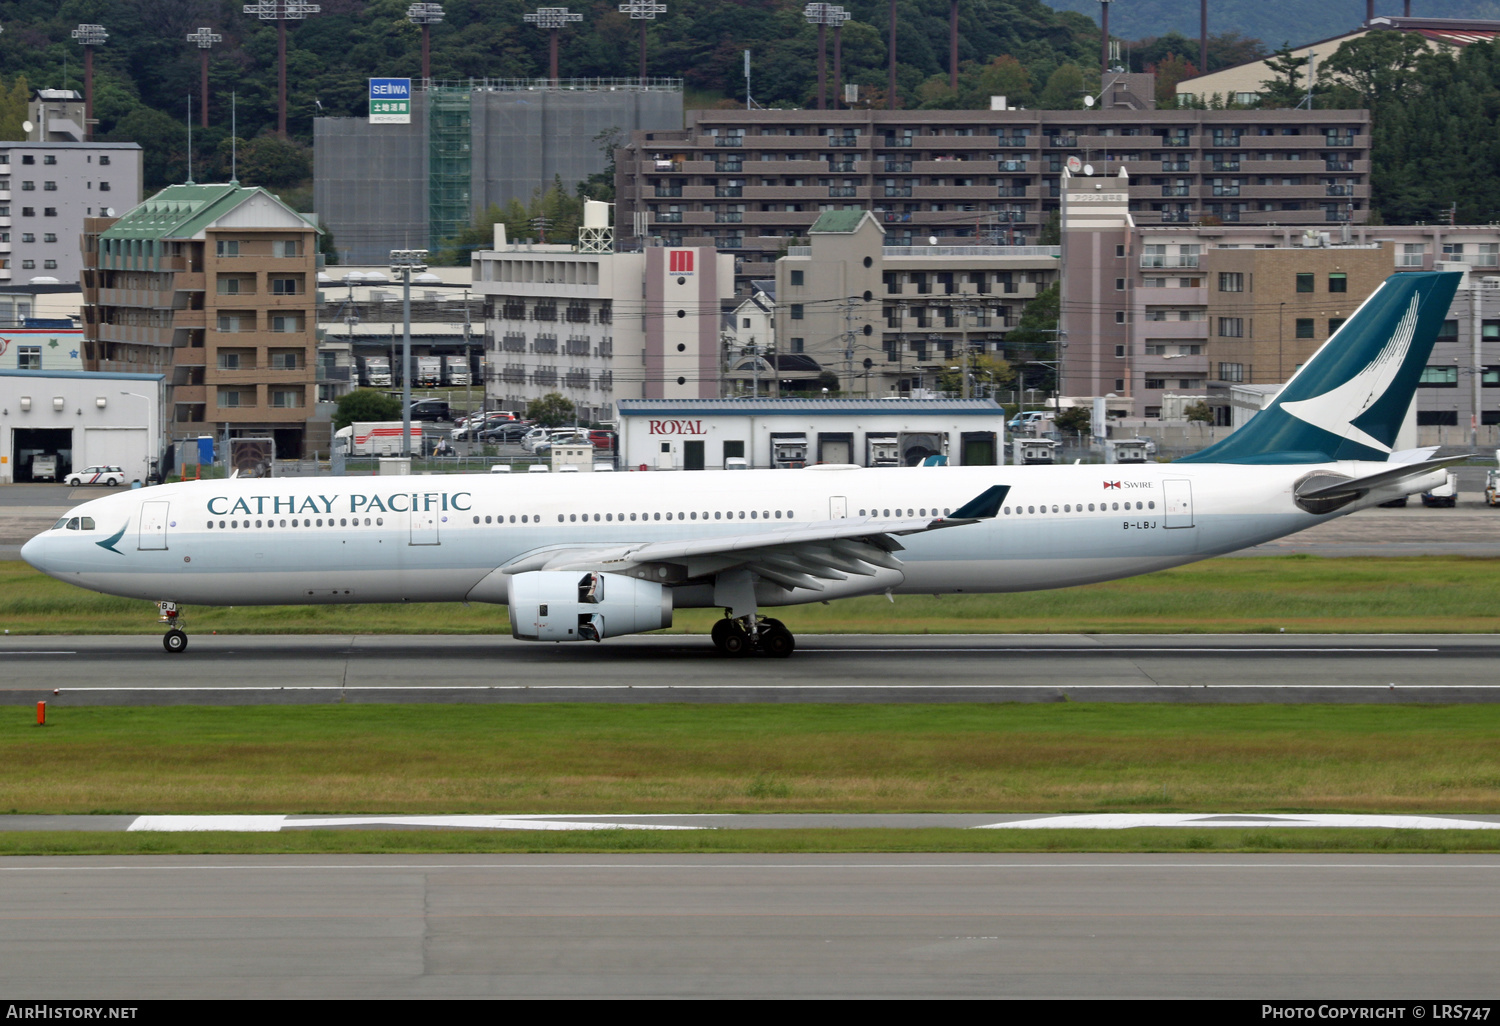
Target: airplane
column 586, row 557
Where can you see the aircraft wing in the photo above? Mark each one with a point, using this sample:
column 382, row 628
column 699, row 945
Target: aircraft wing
column 795, row 557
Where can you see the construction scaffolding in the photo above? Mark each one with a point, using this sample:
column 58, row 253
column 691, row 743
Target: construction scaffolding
column 449, row 164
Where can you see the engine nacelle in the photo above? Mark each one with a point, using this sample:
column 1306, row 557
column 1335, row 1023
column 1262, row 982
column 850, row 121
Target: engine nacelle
column 571, row 605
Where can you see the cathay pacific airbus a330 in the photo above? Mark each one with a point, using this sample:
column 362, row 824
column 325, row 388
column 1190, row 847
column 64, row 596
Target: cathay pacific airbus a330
column 592, row 556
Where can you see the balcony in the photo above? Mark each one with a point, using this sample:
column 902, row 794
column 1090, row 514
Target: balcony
column 841, row 167
column 1226, row 190
column 1176, row 190
column 1226, row 165
column 729, row 217
column 729, row 167
column 729, row 191
column 668, row 191
column 1336, row 215
column 891, row 167
column 1339, row 190
column 1010, row 215
column 1066, row 141
column 898, row 141
column 1152, row 261
column 1012, row 165
column 729, row 140
column 1338, row 165
column 843, row 140
column 1016, row 191
column 1176, row 165
column 843, row 191
column 1338, row 140
column 1014, row 141
column 1224, row 140
column 1176, row 140
column 898, row 190
column 668, row 217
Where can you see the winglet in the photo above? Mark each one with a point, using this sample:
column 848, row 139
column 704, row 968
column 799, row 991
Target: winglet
column 983, row 506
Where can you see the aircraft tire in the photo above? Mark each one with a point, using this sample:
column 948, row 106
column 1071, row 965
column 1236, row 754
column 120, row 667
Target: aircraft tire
column 175, row 641
column 736, row 643
column 721, row 630
column 777, row 642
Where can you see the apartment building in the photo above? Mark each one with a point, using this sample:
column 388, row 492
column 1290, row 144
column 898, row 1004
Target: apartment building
column 598, row 325
column 215, row 287
column 47, row 190
column 747, row 181
column 889, row 319
column 1155, row 312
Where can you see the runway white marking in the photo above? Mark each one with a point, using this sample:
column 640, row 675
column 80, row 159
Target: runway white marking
column 704, row 864
column 26, row 652
column 1066, row 686
column 1129, row 820
column 274, row 824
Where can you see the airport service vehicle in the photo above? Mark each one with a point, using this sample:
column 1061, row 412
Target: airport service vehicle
column 44, row 468
column 1492, row 484
column 96, row 475
column 429, row 371
column 1031, row 420
column 455, row 370
column 379, row 438
column 584, row 557
column 374, row 371
column 1444, row 494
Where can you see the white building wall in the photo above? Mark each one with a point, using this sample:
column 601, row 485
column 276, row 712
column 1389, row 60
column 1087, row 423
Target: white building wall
column 80, row 415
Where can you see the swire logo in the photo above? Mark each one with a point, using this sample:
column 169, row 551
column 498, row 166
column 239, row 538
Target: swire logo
column 1111, row 484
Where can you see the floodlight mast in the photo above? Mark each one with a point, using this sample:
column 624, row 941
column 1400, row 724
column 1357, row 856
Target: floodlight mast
column 205, row 37
column 281, row 12
column 424, row 16
column 643, row 11
column 837, row 17
column 552, row 19
column 406, row 262
column 89, row 36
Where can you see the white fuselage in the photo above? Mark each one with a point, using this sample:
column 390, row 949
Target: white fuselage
column 436, row 538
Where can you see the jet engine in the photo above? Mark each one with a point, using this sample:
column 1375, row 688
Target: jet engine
column 567, row 605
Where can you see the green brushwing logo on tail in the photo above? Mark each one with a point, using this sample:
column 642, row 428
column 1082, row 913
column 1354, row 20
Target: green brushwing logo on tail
column 1349, row 401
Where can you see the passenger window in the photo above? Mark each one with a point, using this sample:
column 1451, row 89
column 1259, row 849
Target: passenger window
column 379, row 521
column 1150, row 505
column 1007, row 511
column 658, row 516
column 210, row 525
column 1031, row 509
column 778, row 514
column 718, row 514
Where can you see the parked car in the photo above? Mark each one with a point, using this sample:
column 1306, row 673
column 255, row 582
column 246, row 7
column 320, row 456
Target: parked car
column 99, row 475
column 602, row 440
column 510, row 432
column 431, row 410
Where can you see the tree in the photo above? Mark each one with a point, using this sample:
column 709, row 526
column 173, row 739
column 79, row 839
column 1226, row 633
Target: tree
column 364, row 405
column 1199, row 411
column 551, row 410
column 1075, row 419
column 1064, row 89
column 1285, row 90
column 274, row 162
column 13, row 108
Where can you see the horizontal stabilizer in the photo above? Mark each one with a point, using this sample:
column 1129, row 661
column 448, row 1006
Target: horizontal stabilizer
column 1323, row 494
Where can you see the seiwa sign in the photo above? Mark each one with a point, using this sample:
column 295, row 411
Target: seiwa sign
column 390, row 101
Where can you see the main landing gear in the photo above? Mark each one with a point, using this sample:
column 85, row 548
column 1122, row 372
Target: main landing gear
column 739, row 636
column 175, row 640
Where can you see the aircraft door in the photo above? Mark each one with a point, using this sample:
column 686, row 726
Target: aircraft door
column 838, row 507
column 153, row 534
column 1178, row 501
column 424, row 527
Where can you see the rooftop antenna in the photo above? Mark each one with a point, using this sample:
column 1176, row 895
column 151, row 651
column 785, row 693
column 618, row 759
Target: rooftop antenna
column 190, row 140
column 234, row 140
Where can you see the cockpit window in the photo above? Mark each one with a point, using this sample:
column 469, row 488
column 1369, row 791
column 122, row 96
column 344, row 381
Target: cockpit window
column 85, row 523
column 60, row 524
column 73, row 524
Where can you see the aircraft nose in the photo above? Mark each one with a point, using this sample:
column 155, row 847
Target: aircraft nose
column 34, row 552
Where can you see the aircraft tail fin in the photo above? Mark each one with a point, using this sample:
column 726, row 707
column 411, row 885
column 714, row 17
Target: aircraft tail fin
column 1349, row 400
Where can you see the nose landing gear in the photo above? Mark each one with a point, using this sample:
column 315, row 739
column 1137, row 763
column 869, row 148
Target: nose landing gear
column 176, row 639
column 739, row 636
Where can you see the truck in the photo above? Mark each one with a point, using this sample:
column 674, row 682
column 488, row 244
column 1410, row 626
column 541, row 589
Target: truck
column 429, row 371
column 1445, row 494
column 374, row 371
column 1492, row 484
column 377, row 438
column 455, row 370
column 43, row 468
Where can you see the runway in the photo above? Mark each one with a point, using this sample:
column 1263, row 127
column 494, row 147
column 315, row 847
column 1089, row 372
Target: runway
column 224, row 670
column 1108, row 926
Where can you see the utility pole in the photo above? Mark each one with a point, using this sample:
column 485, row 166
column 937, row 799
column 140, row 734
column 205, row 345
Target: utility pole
column 1104, row 40
column 953, row 45
column 1203, row 37
column 205, row 37
column 89, row 36
column 552, row 19
column 643, row 11
column 281, row 12
column 424, row 16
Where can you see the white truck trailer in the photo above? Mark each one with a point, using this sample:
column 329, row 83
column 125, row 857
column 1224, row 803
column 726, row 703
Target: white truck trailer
column 378, row 438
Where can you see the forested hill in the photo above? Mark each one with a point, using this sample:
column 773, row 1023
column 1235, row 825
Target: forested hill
column 147, row 62
column 1273, row 23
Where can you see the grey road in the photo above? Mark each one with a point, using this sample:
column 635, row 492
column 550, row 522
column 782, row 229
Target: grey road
column 828, row 668
column 1258, row 927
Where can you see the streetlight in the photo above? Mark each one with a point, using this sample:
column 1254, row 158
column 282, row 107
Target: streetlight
column 406, row 262
column 150, row 434
column 89, row 36
column 424, row 16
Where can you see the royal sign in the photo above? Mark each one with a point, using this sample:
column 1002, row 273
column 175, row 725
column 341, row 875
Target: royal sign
column 390, row 101
column 677, row 427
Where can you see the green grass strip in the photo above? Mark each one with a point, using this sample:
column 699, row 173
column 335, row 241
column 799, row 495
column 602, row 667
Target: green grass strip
column 703, row 842
column 1298, row 594
column 618, row 759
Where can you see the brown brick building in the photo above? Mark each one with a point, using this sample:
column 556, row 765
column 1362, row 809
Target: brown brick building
column 214, row 286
